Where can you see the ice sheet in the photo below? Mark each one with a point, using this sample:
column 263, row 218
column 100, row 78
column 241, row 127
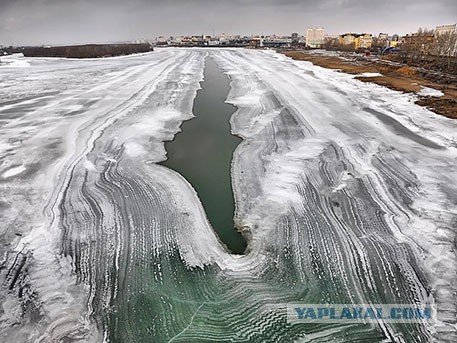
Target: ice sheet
column 347, row 189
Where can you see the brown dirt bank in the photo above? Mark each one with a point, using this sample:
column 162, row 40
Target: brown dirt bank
column 394, row 76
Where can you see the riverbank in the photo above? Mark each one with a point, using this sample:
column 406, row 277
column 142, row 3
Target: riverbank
column 394, row 76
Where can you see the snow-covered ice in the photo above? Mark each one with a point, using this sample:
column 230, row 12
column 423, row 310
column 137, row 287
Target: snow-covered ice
column 348, row 190
column 14, row 61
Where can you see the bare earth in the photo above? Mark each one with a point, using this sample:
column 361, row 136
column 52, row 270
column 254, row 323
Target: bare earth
column 401, row 78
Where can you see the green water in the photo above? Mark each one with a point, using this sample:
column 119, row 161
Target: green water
column 202, row 153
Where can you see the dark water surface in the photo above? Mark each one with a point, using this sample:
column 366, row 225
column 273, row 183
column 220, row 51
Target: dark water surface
column 202, row 153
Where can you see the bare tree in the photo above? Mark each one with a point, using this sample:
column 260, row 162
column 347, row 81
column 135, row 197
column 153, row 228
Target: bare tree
column 446, row 46
column 417, row 46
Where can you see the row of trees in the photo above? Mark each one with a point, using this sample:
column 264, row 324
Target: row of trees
column 427, row 46
column 84, row 51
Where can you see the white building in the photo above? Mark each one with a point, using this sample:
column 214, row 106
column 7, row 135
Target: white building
column 450, row 47
column 315, row 37
column 445, row 29
column 161, row 39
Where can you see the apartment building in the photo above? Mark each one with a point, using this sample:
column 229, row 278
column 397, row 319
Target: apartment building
column 363, row 41
column 315, row 37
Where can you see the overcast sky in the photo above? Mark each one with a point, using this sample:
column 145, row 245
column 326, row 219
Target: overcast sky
column 82, row 21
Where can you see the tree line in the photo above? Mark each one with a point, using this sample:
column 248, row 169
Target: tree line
column 85, row 51
column 431, row 48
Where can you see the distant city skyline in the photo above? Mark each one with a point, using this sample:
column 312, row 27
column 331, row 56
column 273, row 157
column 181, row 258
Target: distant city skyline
column 25, row 22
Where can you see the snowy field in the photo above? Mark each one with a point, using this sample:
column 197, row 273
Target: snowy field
column 348, row 190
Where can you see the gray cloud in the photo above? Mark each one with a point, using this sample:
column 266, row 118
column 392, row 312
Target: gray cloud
column 79, row 21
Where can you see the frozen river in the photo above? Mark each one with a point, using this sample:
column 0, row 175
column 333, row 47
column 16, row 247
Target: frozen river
column 346, row 190
column 202, row 152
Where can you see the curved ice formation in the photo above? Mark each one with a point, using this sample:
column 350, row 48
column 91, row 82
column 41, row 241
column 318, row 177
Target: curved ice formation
column 348, row 190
